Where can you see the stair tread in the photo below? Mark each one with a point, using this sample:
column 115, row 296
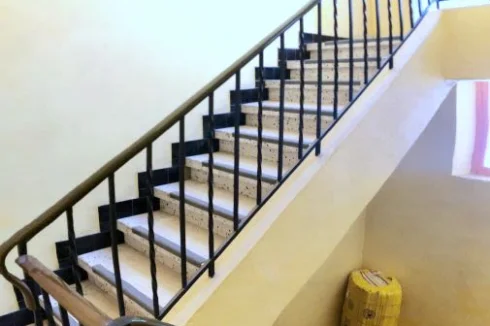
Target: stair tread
column 268, row 134
column 329, row 63
column 290, row 107
column 196, row 191
column 94, row 295
column 247, row 165
column 356, row 42
column 168, row 226
column 291, row 83
column 135, row 274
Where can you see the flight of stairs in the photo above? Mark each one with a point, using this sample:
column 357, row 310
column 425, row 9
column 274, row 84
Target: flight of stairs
column 133, row 253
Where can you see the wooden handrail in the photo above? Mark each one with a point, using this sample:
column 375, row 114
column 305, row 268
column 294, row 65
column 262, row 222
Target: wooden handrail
column 84, row 311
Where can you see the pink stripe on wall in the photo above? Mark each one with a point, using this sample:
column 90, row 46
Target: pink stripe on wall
column 481, row 129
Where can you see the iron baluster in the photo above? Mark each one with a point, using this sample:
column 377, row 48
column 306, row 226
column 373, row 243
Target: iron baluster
column 390, row 23
column 73, row 250
column 48, row 308
column 400, row 13
column 301, row 86
column 236, row 167
column 319, row 81
column 280, row 154
column 22, row 251
column 378, row 36
column 366, row 68
column 65, row 320
column 114, row 245
column 183, row 243
column 260, row 126
column 410, row 5
column 151, row 229
column 336, row 61
column 351, row 53
column 210, row 185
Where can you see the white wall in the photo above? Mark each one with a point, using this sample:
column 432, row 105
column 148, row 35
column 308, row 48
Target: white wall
column 80, row 80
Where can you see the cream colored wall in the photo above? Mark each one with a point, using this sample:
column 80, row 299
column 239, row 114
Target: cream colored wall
column 468, row 53
column 384, row 17
column 321, row 298
column 268, row 266
column 343, row 18
column 430, row 229
column 81, row 80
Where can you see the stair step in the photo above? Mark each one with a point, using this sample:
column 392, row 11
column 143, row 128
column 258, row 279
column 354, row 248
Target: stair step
column 345, row 43
column 94, row 295
column 329, row 63
column 268, row 136
column 167, row 235
column 248, row 166
column 223, row 172
column 196, row 195
column 135, row 275
column 309, row 84
column 272, row 107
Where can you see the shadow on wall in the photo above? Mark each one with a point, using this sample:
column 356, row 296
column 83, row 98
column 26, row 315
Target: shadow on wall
column 320, row 300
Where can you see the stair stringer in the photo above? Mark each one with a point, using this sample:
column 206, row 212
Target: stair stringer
column 300, row 226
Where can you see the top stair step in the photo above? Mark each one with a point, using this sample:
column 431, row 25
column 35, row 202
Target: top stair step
column 289, row 107
column 344, row 43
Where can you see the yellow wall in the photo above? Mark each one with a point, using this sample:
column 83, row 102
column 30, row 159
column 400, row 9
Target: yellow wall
column 358, row 23
column 430, row 229
column 321, row 298
column 383, row 15
column 321, row 202
column 467, row 55
column 343, row 18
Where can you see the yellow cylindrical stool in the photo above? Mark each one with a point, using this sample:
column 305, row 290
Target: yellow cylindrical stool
column 371, row 300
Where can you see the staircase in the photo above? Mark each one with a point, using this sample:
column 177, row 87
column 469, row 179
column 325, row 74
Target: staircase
column 192, row 210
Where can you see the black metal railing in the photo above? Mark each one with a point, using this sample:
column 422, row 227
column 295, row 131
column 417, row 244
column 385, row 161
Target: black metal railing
column 336, row 108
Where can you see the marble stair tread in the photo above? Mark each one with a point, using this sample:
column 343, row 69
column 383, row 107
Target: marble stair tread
column 268, row 135
column 167, row 234
column 196, row 194
column 289, row 107
column 344, row 43
column 329, row 63
column 135, row 275
column 247, row 167
column 94, row 295
column 291, row 83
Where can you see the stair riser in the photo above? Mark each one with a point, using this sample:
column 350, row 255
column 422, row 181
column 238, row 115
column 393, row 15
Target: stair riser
column 224, row 180
column 358, row 52
column 291, row 122
column 248, row 148
column 197, row 216
column 163, row 256
column 328, row 74
column 132, row 308
column 310, row 94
